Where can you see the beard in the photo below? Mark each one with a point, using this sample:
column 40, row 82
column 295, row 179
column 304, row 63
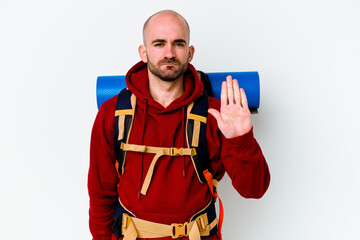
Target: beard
column 171, row 73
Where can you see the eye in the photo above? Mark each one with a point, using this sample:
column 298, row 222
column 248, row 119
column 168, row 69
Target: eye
column 180, row 44
column 159, row 44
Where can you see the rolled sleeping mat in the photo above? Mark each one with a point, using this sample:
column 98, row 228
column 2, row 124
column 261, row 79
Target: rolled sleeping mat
column 109, row 86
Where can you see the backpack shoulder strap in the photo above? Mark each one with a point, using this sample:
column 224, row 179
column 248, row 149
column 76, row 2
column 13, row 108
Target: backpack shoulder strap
column 206, row 82
column 195, row 130
column 196, row 134
column 124, row 116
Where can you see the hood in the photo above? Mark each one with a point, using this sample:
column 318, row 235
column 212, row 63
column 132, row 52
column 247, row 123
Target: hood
column 137, row 80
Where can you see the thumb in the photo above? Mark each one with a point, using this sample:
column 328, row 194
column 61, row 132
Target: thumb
column 216, row 114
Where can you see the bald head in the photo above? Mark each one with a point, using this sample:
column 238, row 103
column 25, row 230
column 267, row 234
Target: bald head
column 163, row 15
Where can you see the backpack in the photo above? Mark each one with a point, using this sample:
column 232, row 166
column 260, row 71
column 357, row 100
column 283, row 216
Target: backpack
column 196, row 120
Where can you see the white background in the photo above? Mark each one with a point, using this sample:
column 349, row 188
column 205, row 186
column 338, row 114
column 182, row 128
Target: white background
column 306, row 52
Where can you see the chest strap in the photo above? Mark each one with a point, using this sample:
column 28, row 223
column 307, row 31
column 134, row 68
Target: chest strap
column 158, row 151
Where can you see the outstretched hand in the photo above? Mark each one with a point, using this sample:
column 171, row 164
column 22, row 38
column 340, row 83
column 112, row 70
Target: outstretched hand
column 234, row 118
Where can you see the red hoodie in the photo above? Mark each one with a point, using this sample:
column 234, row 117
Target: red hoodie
column 175, row 192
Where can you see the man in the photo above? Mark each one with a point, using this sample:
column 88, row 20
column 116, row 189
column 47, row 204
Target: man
column 165, row 192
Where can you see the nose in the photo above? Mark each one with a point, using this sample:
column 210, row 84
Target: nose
column 169, row 51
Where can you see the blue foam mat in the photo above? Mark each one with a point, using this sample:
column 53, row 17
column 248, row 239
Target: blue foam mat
column 109, row 86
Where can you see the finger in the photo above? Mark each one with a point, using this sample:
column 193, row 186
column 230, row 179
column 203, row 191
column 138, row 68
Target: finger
column 216, row 114
column 244, row 101
column 223, row 95
column 230, row 91
column 237, row 92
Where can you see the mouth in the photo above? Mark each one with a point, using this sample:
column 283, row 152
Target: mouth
column 168, row 64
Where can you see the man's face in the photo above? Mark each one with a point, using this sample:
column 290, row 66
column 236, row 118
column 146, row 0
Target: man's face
column 166, row 51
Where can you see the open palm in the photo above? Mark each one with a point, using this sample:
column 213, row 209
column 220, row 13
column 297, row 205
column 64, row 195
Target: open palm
column 234, row 118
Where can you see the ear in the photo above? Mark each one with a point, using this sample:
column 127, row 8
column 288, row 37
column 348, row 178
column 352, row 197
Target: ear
column 191, row 53
column 142, row 53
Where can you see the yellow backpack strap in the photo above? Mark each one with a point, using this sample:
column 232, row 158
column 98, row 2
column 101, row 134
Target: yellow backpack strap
column 121, row 122
column 196, row 129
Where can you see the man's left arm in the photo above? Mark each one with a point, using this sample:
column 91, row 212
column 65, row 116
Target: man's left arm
column 240, row 154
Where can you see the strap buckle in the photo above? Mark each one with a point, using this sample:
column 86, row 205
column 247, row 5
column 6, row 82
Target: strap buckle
column 179, row 230
column 182, row 151
column 176, row 152
column 193, row 152
column 202, row 222
column 126, row 221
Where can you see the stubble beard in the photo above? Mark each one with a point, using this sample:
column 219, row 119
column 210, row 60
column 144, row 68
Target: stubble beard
column 166, row 75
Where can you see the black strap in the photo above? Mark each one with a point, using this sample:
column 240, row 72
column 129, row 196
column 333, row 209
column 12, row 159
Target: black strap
column 123, row 103
column 201, row 159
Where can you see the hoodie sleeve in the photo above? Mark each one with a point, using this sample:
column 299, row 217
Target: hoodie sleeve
column 102, row 176
column 241, row 157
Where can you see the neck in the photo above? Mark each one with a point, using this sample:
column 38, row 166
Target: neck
column 165, row 92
